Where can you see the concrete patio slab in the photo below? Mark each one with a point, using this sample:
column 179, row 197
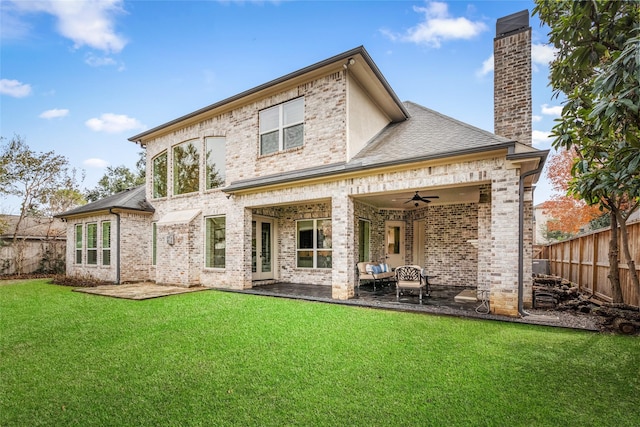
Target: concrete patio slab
column 138, row 291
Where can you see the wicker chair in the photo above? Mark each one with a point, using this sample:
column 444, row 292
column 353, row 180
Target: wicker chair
column 408, row 277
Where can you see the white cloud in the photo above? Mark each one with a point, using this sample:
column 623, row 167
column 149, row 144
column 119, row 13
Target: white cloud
column 541, row 139
column 87, row 23
column 487, row 67
column 54, row 113
column 99, row 61
column 113, row 123
column 14, row 88
column 542, row 54
column 438, row 26
column 95, row 163
column 554, row 110
column 535, row 118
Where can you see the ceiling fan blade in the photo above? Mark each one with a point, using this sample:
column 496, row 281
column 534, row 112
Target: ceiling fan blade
column 430, row 197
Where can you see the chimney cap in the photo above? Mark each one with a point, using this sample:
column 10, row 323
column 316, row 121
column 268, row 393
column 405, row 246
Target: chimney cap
column 512, row 23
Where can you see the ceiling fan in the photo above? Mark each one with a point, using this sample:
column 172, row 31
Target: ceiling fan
column 418, row 198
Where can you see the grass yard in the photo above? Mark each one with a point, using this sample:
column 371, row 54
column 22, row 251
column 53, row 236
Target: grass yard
column 215, row 358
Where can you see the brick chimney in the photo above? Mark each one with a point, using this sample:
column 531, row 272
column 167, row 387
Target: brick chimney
column 512, row 109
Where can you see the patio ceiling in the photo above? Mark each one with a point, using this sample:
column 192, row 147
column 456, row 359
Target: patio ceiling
column 398, row 200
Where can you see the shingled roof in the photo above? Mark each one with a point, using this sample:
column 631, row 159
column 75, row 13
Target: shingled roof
column 427, row 134
column 132, row 199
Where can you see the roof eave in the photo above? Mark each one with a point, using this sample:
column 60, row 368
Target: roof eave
column 352, row 167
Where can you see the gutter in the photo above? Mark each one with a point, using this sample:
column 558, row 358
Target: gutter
column 117, row 246
column 537, row 170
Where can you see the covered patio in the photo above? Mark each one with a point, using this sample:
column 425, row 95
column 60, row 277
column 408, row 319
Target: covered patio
column 440, row 302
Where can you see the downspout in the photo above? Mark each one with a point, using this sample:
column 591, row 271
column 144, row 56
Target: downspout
column 117, row 245
column 535, row 171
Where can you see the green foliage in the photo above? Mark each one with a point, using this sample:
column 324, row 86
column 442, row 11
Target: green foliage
column 115, row 180
column 52, row 261
column 597, row 68
column 219, row 358
column 31, row 176
column 602, row 221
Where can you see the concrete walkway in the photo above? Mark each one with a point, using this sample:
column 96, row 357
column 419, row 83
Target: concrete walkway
column 138, row 291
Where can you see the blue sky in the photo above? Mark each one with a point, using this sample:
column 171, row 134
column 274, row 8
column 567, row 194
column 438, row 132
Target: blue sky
column 80, row 77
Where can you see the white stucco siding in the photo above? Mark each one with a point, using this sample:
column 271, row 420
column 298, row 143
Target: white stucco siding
column 364, row 118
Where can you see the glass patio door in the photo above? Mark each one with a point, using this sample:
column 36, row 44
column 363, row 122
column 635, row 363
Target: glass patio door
column 262, row 249
column 394, row 243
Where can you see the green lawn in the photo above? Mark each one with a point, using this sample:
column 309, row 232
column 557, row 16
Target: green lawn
column 215, row 358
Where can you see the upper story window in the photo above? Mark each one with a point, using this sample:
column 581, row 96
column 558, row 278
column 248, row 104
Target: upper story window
column 215, row 155
column 282, row 127
column 160, row 175
column 186, row 167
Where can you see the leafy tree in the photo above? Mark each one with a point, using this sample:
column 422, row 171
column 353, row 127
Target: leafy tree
column 117, row 179
column 570, row 214
column 597, row 68
column 34, row 178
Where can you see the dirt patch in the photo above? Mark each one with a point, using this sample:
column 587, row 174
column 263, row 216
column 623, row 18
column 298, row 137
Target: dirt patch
column 553, row 294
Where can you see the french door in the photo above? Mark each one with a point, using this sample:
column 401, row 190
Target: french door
column 394, row 243
column 262, row 248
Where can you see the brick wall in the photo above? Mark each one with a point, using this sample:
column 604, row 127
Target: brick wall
column 135, row 255
column 512, row 86
column 324, row 133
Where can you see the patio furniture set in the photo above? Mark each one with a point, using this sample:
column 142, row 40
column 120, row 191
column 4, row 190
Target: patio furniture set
column 405, row 278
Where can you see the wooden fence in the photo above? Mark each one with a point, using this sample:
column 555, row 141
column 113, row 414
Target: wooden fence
column 584, row 260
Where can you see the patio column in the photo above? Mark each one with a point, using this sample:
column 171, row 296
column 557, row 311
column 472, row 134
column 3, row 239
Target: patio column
column 238, row 247
column 343, row 235
column 504, row 242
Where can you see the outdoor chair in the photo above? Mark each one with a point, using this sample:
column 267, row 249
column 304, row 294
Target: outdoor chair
column 370, row 271
column 408, row 277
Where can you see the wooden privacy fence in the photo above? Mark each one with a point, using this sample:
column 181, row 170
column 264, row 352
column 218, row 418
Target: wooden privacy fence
column 584, row 260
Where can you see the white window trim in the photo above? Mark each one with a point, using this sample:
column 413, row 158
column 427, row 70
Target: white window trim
column 102, row 247
column 76, row 248
column 206, row 242
column 92, row 248
column 315, row 248
column 281, row 126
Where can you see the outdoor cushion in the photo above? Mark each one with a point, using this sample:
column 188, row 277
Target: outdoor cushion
column 376, row 269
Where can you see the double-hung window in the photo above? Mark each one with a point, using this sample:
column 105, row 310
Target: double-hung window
column 78, row 243
column 216, row 244
column 92, row 244
column 314, row 247
column 282, row 127
column 106, row 243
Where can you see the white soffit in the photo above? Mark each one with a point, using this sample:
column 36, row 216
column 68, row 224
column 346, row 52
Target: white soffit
column 179, row 217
